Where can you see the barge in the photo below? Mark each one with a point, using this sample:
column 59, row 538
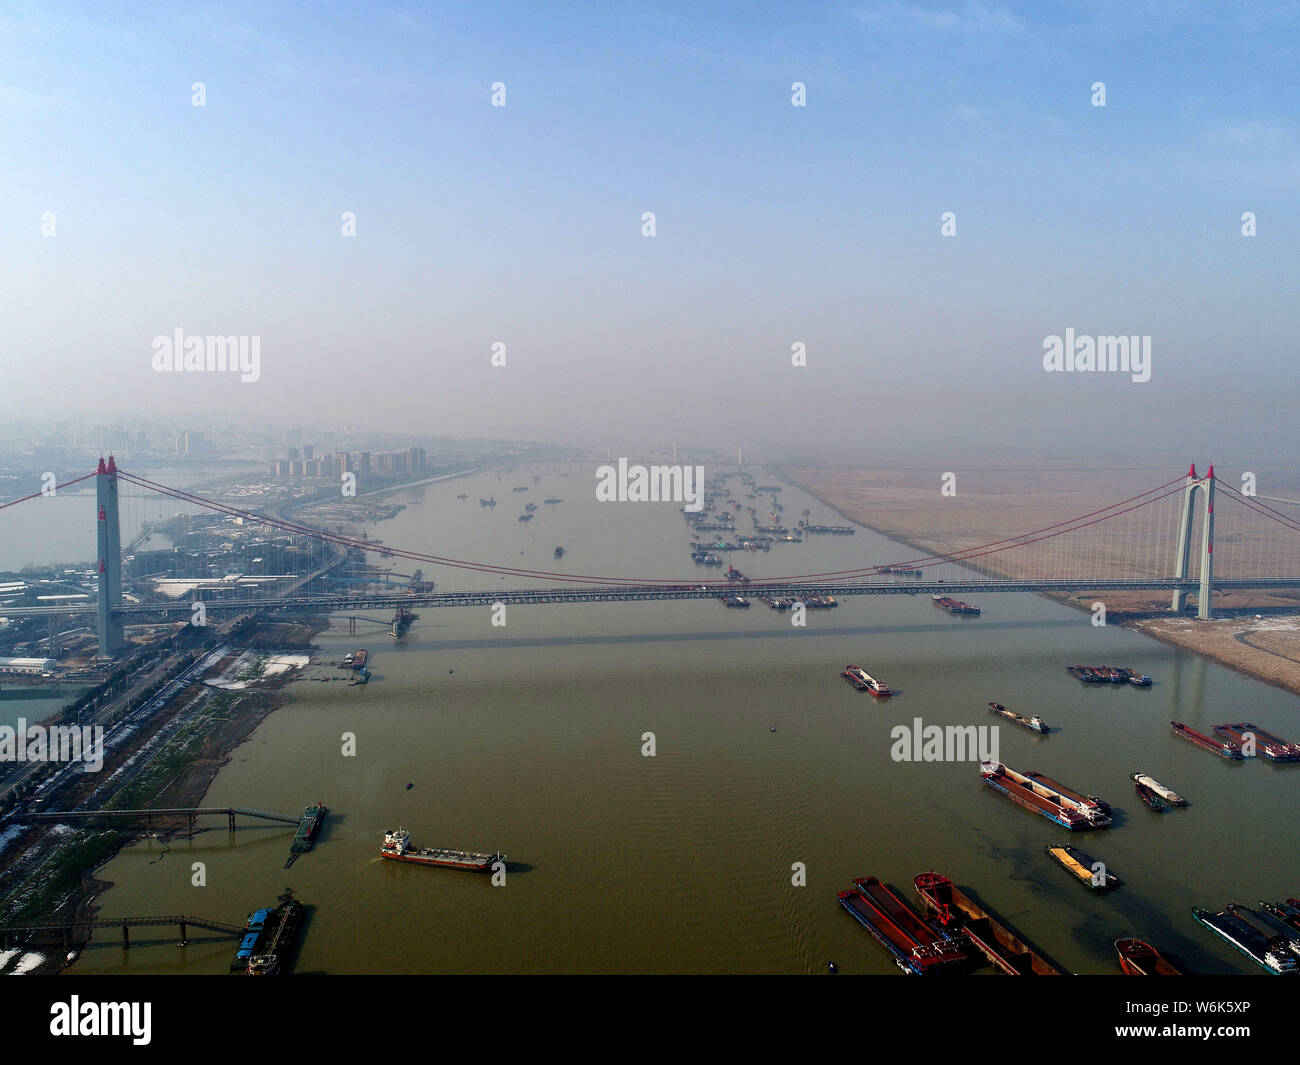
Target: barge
column 1081, row 867
column 1254, row 738
column 1268, row 925
column 1138, row 958
column 1223, row 748
column 312, row 818
column 996, row 776
column 254, row 932
column 865, row 682
column 1034, row 724
column 397, row 847
column 955, row 910
column 1046, row 797
column 1288, row 912
column 917, row 947
column 1164, row 791
column 954, row 606
column 1268, row 953
column 280, row 936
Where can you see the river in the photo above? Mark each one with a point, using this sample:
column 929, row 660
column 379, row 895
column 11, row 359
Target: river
column 528, row 738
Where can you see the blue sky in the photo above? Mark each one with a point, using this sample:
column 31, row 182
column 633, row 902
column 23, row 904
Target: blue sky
column 774, row 223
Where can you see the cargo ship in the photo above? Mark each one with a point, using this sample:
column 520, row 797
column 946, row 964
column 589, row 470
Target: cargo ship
column 397, row 847
column 1272, row 747
column 1266, row 924
column 954, row 606
column 1034, row 724
column 955, row 910
column 1223, row 748
column 1149, row 797
column 279, row 936
column 917, row 947
column 312, row 818
column 1080, row 866
column 865, row 682
column 1268, row 953
column 1137, row 958
column 1165, row 792
column 1043, row 796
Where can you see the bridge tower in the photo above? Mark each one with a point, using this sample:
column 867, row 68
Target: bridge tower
column 109, row 537
column 1192, row 487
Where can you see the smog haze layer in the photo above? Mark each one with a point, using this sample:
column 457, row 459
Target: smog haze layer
column 918, row 194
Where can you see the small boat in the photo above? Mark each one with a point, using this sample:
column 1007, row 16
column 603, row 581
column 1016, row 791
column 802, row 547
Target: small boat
column 1149, row 797
column 1081, row 867
column 1165, row 792
column 1034, row 724
column 409, row 785
column 1138, row 958
column 559, row 552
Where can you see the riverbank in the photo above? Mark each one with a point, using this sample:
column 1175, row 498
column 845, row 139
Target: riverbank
column 1246, row 636
column 171, row 765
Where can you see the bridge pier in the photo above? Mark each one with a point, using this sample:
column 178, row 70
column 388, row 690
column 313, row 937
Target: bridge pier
column 126, row 936
column 183, row 939
column 1205, row 594
column 232, row 820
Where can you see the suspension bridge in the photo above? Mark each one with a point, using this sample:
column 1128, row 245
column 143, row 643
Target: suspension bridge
column 1162, row 540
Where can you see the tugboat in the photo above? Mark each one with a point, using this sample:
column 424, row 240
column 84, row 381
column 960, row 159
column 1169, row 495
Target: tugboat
column 1149, row 797
column 1138, row 958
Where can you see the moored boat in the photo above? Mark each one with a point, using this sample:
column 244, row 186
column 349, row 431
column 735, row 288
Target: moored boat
column 1138, row 958
column 1223, row 748
column 1265, row 951
column 954, row 909
column 918, row 948
column 1253, row 739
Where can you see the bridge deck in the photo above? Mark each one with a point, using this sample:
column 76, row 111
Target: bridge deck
column 644, row 593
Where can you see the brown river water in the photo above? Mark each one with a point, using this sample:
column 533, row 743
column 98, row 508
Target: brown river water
column 527, row 738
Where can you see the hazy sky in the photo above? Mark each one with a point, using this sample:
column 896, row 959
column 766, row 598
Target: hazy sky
column 775, row 224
